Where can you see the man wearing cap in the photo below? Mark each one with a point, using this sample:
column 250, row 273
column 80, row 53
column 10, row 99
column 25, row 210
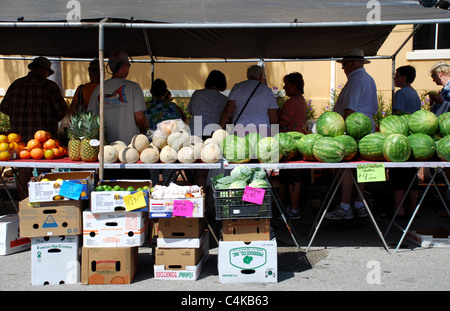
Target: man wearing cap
column 33, row 103
column 124, row 103
column 358, row 95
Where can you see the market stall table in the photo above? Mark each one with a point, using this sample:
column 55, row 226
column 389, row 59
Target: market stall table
column 342, row 166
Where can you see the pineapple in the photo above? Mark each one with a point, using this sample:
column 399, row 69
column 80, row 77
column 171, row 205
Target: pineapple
column 90, row 131
column 74, row 133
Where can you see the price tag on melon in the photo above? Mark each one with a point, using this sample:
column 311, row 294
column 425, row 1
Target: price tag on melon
column 371, row 172
column 134, row 201
column 184, row 208
column 253, row 195
column 70, row 190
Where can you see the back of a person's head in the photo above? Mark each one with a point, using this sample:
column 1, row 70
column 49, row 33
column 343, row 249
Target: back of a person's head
column 440, row 66
column 296, row 79
column 116, row 59
column 159, row 88
column 216, row 79
column 407, row 71
column 254, row 72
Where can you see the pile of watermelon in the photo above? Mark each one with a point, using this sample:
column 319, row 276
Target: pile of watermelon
column 420, row 136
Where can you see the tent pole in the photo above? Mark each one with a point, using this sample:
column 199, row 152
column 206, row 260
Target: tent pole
column 102, row 95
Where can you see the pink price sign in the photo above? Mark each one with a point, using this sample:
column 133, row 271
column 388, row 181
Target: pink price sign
column 183, row 208
column 253, row 195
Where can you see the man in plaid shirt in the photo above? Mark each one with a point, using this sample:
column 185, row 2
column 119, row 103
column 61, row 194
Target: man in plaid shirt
column 33, row 103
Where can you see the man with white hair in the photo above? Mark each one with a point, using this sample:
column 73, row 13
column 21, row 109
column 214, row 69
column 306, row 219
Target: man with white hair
column 251, row 104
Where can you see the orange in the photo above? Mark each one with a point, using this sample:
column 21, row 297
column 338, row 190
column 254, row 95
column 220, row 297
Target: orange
column 34, row 143
column 3, row 138
column 14, row 138
column 49, row 144
column 4, row 146
column 49, row 135
column 37, row 153
column 57, row 152
column 24, row 153
column 63, row 150
column 49, row 154
column 21, row 145
column 5, row 156
column 58, row 143
column 40, row 135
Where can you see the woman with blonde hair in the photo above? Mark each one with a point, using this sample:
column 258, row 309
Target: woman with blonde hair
column 440, row 73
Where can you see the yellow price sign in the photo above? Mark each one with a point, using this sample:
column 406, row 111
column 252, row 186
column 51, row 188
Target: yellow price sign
column 134, row 201
column 371, row 172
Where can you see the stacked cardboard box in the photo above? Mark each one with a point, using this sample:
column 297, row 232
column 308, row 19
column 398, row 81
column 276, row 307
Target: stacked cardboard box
column 113, row 229
column 51, row 217
column 182, row 242
column 10, row 240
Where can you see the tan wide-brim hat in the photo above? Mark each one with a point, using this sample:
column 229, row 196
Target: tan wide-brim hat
column 354, row 54
column 41, row 62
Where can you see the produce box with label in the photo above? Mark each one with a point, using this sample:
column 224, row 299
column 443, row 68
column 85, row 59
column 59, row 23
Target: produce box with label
column 76, row 185
column 121, row 195
column 10, row 240
column 176, row 200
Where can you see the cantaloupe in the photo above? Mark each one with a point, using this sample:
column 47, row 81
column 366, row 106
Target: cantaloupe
column 219, row 135
column 119, row 145
column 211, row 153
column 179, row 139
column 150, row 154
column 159, row 139
column 186, row 155
column 140, row 142
column 110, row 154
column 168, row 155
column 128, row 155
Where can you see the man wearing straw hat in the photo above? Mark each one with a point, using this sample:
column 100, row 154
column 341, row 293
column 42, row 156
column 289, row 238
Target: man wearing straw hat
column 358, row 95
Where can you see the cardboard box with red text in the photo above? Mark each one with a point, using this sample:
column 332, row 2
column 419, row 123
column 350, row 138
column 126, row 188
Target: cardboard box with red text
column 10, row 240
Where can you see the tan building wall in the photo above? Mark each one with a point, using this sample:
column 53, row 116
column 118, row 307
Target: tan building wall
column 320, row 76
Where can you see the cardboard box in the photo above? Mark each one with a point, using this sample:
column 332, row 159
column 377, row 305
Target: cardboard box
column 10, row 240
column 246, row 230
column 189, row 273
column 55, row 260
column 254, row 262
column 180, row 258
column 116, row 229
column 47, row 191
column 106, row 265
column 50, row 218
column 434, row 237
column 112, row 201
column 179, row 227
column 163, row 208
column 181, row 242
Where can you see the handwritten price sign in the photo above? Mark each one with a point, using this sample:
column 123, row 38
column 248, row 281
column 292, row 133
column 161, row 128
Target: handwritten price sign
column 183, row 208
column 71, row 190
column 253, row 195
column 134, row 201
column 371, row 172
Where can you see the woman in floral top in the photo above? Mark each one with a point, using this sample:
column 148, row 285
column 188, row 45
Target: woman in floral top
column 159, row 108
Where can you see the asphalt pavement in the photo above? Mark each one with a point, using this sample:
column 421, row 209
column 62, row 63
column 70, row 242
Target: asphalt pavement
column 344, row 256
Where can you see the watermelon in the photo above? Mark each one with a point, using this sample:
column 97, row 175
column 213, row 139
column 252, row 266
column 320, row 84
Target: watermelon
column 351, row 146
column 235, row 149
column 443, row 148
column 423, row 147
column 252, row 140
column 329, row 150
column 358, row 125
column 331, row 124
column 288, row 147
column 423, row 121
column 444, row 123
column 371, row 147
column 396, row 148
column 269, row 150
column 306, row 144
column 394, row 124
column 296, row 135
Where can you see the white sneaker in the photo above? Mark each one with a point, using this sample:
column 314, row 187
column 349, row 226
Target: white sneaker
column 361, row 212
column 339, row 214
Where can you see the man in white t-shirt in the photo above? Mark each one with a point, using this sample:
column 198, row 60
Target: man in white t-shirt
column 260, row 112
column 124, row 103
column 358, row 95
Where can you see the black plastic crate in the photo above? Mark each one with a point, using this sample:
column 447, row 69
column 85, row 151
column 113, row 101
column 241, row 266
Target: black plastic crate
column 229, row 205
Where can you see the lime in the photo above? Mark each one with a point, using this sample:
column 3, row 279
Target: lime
column 116, row 188
column 139, row 189
column 130, row 188
column 99, row 188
